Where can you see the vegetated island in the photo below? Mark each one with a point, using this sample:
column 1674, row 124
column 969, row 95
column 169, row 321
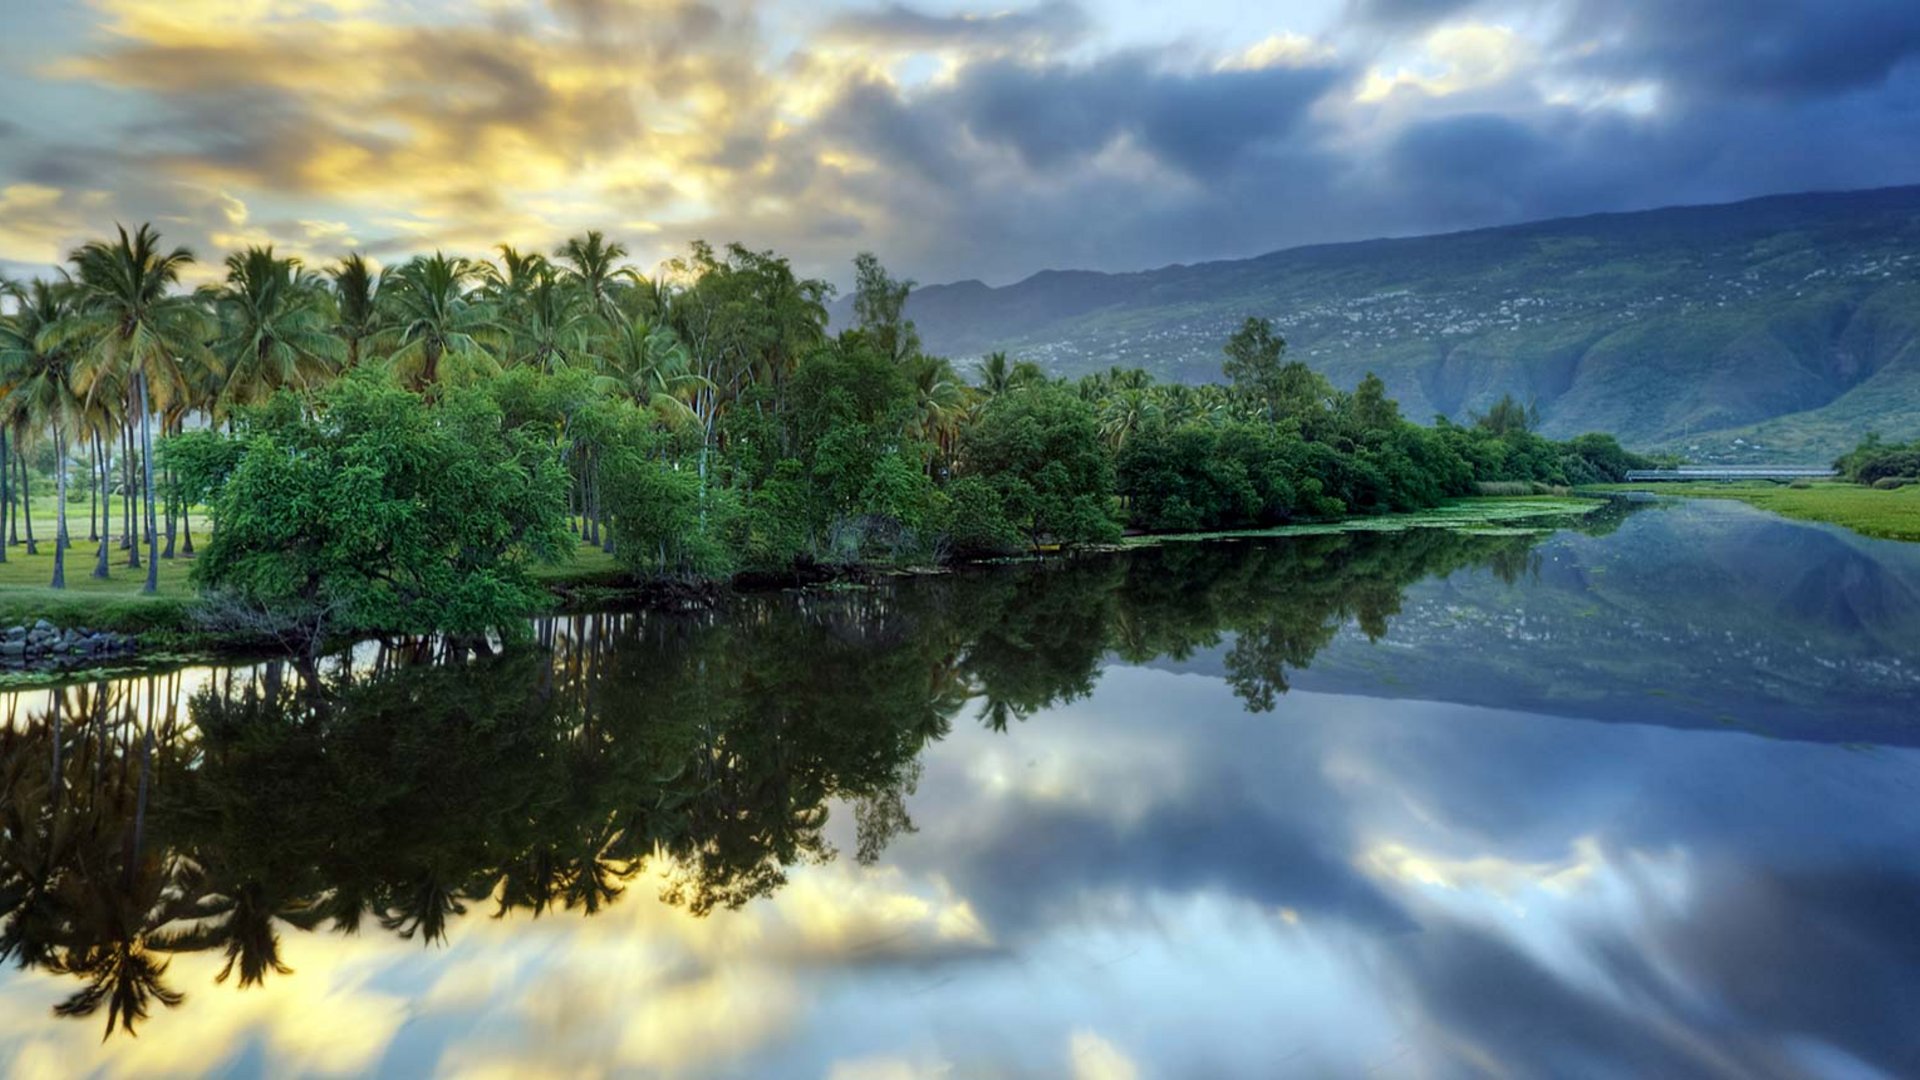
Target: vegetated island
column 291, row 456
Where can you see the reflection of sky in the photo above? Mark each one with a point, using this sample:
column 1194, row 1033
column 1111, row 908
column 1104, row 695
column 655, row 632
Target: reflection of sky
column 1152, row 882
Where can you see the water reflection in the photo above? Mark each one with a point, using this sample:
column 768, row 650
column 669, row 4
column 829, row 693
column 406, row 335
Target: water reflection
column 1045, row 804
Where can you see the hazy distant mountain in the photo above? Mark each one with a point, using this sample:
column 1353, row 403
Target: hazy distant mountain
column 1791, row 321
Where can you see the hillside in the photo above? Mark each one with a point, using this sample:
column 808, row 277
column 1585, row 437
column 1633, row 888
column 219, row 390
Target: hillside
column 1789, row 322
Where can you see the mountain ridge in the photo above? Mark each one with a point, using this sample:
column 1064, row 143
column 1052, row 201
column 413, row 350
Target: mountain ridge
column 1788, row 322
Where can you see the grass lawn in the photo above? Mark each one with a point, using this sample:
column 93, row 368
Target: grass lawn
column 1889, row 515
column 118, row 604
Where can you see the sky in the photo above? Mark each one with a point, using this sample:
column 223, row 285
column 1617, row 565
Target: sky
column 955, row 140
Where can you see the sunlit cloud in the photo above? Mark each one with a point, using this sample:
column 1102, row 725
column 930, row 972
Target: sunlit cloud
column 968, row 139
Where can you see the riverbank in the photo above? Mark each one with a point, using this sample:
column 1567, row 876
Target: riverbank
column 590, row 580
column 1884, row 515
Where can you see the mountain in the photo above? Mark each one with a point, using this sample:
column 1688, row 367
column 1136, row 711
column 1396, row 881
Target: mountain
column 1789, row 323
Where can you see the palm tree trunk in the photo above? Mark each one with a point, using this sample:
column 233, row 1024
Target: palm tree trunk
column 6, row 495
column 60, row 508
column 130, row 511
column 146, row 465
column 93, row 505
column 102, row 449
column 26, row 504
column 172, row 501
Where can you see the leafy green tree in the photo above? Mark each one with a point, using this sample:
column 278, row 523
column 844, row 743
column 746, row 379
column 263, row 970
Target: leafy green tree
column 879, row 309
column 382, row 514
column 1508, row 417
column 1040, row 451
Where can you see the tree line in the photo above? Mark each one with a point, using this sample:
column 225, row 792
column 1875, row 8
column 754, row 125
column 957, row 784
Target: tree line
column 396, row 449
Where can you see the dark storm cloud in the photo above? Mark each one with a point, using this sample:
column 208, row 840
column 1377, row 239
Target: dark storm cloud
column 1783, row 49
column 1053, row 22
column 1402, row 13
column 1056, row 115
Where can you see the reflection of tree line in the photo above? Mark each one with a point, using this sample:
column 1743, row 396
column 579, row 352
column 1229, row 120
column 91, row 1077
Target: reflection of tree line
column 395, row 788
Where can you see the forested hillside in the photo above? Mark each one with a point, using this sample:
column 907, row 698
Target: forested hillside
column 1791, row 322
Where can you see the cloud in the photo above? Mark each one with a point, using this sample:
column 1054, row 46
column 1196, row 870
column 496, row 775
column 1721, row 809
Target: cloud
column 1051, row 23
column 1774, row 49
column 970, row 141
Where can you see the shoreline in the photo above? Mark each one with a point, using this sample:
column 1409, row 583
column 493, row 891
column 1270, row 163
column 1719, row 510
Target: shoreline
column 167, row 636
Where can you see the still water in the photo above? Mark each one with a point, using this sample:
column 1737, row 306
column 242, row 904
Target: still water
column 1637, row 797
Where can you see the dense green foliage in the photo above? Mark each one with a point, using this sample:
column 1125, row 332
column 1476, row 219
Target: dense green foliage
column 1877, row 462
column 396, row 450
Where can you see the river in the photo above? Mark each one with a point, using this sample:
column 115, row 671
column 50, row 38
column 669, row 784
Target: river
column 1639, row 795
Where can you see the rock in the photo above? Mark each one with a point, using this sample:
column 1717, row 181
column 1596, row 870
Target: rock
column 16, row 633
column 13, row 648
column 42, row 624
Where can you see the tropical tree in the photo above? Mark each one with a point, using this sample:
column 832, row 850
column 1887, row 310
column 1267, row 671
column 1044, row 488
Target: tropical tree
column 592, row 262
column 356, row 309
column 275, row 327
column 430, row 314
column 39, row 390
column 128, row 319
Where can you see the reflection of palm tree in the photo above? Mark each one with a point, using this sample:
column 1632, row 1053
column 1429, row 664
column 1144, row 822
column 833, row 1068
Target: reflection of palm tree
column 239, row 920
column 110, row 917
column 421, row 907
column 122, row 975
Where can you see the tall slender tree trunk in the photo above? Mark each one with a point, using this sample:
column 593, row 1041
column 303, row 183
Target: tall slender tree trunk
column 146, row 468
column 6, row 495
column 130, row 519
column 103, row 449
column 126, row 487
column 26, row 504
column 173, row 498
column 93, row 504
column 60, row 508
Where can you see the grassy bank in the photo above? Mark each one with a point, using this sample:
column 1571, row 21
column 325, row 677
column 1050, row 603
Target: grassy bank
column 1888, row 515
column 1527, row 513
column 118, row 604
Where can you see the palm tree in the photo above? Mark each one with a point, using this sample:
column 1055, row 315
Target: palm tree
column 275, row 327
column 430, row 314
column 128, row 318
column 645, row 363
column 553, row 328
column 592, row 262
column 40, row 390
column 940, row 405
column 1124, row 413
column 995, row 374
column 355, row 304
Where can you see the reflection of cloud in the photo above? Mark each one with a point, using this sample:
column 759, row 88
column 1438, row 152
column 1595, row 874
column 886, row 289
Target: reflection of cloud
column 645, row 986
column 1094, row 1058
column 326, row 1019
